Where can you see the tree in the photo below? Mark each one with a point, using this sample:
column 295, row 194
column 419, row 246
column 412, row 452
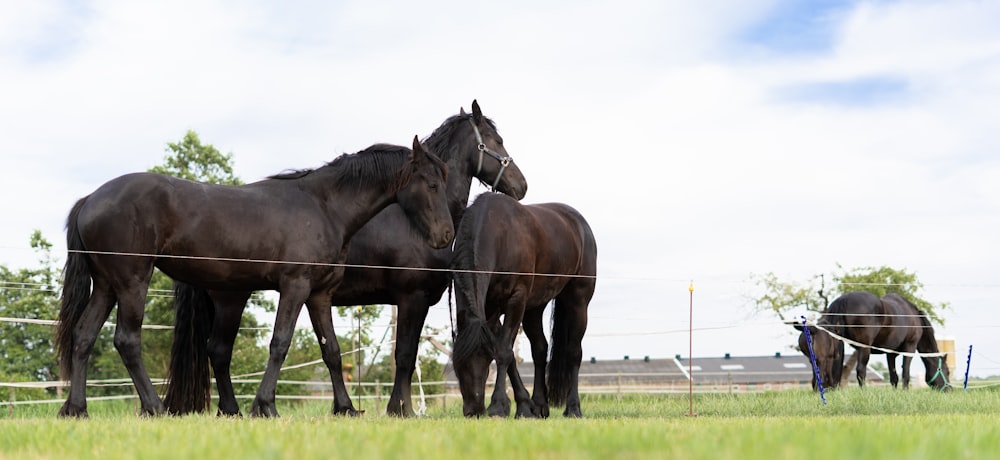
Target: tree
column 885, row 280
column 187, row 159
column 193, row 161
column 781, row 297
column 190, row 159
column 26, row 353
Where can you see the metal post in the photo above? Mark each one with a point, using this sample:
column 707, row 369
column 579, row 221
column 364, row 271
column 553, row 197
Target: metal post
column 691, row 412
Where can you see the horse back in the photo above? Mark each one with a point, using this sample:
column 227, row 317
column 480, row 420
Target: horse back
column 905, row 321
column 855, row 315
column 499, row 234
column 153, row 214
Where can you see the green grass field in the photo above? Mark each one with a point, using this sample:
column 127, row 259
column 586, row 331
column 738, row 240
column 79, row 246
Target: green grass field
column 855, row 423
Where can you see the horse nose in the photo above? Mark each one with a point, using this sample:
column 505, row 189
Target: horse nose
column 521, row 191
column 445, row 237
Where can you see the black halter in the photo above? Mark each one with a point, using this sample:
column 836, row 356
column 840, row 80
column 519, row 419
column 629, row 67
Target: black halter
column 504, row 160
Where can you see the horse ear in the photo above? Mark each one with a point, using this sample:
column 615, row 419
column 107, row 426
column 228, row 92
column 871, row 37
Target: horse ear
column 477, row 113
column 797, row 326
column 418, row 150
column 461, row 110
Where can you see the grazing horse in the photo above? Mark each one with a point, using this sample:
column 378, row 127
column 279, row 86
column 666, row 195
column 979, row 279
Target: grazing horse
column 829, row 355
column 472, row 148
column 512, row 260
column 285, row 233
column 890, row 325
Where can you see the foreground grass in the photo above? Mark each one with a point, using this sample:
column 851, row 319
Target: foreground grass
column 869, row 423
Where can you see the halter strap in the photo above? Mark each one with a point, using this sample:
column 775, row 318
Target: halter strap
column 504, row 160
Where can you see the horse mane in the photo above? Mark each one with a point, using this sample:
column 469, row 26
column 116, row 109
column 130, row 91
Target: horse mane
column 378, row 163
column 927, row 342
column 464, row 255
column 834, row 321
column 476, row 336
column 290, row 174
column 440, row 142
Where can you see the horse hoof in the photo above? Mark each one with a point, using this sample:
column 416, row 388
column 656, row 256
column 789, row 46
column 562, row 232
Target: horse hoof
column 398, row 410
column 263, row 410
column 72, row 411
column 525, row 414
column 498, row 410
column 352, row 412
column 157, row 411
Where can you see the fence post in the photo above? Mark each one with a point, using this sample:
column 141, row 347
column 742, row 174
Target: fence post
column 968, row 362
column 10, row 411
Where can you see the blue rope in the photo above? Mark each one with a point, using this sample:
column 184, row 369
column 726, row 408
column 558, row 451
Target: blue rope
column 965, row 385
column 812, row 356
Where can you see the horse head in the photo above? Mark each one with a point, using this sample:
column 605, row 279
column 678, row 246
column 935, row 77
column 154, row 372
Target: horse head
column 936, row 366
column 423, row 197
column 494, row 166
column 472, row 355
column 829, row 353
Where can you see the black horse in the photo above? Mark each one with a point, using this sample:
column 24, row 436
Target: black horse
column 285, row 233
column 511, row 260
column 890, row 325
column 472, row 148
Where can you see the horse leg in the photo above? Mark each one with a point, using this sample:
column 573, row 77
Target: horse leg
column 890, row 360
column 504, row 355
column 292, row 295
column 521, row 396
column 907, row 359
column 85, row 333
column 411, row 314
column 229, row 308
column 322, row 321
column 539, row 355
column 862, row 367
column 128, row 342
column 499, row 402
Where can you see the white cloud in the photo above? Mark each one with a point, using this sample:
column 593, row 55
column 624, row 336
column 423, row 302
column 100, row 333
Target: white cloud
column 655, row 121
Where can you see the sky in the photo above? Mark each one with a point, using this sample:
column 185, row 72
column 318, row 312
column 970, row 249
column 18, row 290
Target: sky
column 705, row 141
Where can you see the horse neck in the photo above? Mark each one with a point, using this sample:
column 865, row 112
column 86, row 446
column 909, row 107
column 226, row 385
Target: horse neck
column 927, row 342
column 353, row 204
column 457, row 155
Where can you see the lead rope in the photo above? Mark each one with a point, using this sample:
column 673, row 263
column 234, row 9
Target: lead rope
column 812, row 357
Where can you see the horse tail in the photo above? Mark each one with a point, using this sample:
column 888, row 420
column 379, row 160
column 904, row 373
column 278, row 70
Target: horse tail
column 834, row 318
column 474, row 334
column 75, row 293
column 563, row 363
column 189, row 379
